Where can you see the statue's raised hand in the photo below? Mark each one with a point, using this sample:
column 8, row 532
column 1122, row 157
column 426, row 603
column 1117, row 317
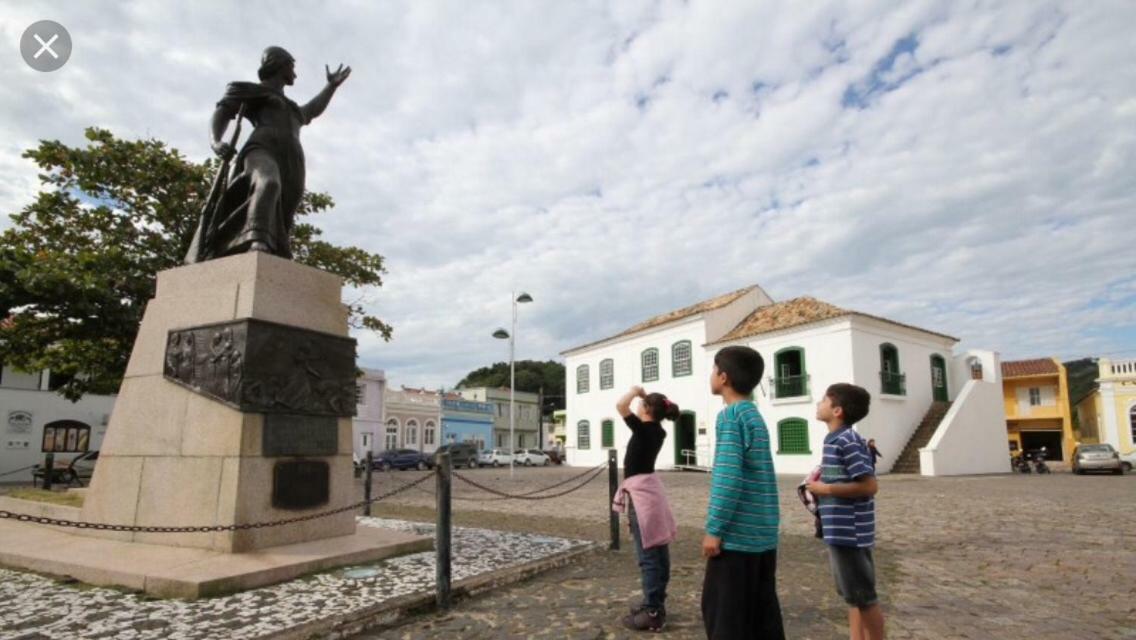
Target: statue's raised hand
column 336, row 78
column 224, row 150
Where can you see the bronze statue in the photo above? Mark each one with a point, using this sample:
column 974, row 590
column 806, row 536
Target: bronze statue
column 253, row 210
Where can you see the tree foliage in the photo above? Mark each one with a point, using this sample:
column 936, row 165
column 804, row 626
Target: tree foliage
column 532, row 376
column 80, row 262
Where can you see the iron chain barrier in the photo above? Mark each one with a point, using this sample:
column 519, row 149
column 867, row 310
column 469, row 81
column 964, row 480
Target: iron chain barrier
column 591, row 474
column 527, row 495
column 99, row 526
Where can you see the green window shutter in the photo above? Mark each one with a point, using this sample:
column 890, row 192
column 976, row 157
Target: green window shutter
column 607, row 434
column 793, row 436
column 607, row 374
column 583, row 435
column 681, row 359
column 650, row 361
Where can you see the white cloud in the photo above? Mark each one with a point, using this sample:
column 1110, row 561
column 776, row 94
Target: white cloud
column 617, row 160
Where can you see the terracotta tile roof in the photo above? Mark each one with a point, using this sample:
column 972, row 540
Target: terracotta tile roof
column 799, row 312
column 1035, row 367
column 657, row 321
column 782, row 315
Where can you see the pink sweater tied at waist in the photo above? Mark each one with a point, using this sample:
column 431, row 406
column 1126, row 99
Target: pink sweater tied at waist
column 656, row 522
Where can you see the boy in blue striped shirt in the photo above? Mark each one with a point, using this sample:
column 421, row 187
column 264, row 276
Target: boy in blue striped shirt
column 739, row 592
column 848, row 509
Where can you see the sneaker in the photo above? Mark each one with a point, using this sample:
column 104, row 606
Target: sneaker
column 634, row 605
column 646, row 620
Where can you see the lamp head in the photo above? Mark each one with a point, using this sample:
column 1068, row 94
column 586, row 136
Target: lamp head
column 501, row 334
column 524, row 297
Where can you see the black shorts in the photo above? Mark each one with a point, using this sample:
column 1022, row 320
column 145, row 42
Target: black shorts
column 855, row 574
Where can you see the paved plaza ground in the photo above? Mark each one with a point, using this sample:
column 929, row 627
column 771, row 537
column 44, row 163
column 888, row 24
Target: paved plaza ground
column 997, row 557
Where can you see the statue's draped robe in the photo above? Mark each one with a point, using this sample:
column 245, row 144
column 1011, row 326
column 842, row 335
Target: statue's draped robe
column 251, row 210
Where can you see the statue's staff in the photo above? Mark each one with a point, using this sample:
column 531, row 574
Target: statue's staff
column 220, row 182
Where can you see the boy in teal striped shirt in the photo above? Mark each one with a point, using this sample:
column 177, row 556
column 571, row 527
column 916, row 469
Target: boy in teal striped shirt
column 739, row 592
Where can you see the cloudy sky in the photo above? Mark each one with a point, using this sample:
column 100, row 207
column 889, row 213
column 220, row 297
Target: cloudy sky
column 963, row 166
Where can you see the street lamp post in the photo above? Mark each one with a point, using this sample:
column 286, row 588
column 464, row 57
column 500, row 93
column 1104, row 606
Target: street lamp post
column 502, row 334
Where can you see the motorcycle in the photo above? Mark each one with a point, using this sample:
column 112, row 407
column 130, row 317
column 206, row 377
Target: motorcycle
column 1039, row 465
column 1021, row 463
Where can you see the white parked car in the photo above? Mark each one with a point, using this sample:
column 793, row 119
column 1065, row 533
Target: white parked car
column 495, row 457
column 1128, row 461
column 531, row 457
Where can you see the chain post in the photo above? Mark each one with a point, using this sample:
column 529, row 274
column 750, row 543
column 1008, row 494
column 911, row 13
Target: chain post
column 367, row 483
column 443, row 531
column 612, row 484
column 48, row 470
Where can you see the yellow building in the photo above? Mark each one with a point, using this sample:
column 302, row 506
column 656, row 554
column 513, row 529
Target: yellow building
column 1036, row 397
column 1107, row 413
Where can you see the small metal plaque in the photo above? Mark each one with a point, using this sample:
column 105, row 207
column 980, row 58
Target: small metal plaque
column 287, row 434
column 300, row 484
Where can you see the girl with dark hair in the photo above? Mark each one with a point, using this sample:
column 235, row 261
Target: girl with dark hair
column 642, row 495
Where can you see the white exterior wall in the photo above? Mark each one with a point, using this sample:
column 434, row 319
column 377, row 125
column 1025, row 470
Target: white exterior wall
column 842, row 350
column 368, row 422
column 19, row 448
column 972, row 437
column 893, row 419
column 828, row 359
column 595, row 406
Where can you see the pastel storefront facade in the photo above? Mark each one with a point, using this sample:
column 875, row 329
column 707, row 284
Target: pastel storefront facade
column 412, row 419
column 367, row 426
column 807, row 345
column 466, row 421
column 1035, row 394
column 28, row 404
column 526, row 430
column 1108, row 413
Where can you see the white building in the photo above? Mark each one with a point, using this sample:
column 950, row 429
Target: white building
column 28, row 403
column 367, row 426
column 807, row 345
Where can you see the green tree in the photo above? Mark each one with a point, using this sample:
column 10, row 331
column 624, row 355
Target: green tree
column 80, row 262
column 531, row 376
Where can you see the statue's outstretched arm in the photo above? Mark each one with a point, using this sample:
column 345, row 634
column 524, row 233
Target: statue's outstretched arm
column 316, row 105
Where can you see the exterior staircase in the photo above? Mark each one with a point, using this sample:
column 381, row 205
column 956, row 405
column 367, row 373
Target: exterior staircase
column 908, row 461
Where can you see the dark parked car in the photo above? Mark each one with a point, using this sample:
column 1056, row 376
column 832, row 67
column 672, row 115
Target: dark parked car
column 462, row 454
column 403, row 459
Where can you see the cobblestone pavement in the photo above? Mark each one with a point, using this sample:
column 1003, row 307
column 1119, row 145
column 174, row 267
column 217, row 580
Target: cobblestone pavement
column 997, row 557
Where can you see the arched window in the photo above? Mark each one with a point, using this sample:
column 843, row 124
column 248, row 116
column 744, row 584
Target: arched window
column 650, row 362
column 793, row 436
column 975, row 367
column 892, row 380
column 607, row 434
column 682, row 362
column 583, row 435
column 582, row 379
column 1132, row 421
column 411, row 433
column 790, row 378
column 390, row 438
column 428, row 434
column 939, row 378
column 607, row 374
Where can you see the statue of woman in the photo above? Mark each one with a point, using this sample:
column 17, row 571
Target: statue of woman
column 257, row 207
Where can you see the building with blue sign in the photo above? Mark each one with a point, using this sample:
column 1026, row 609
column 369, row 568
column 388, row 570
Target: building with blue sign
column 467, row 421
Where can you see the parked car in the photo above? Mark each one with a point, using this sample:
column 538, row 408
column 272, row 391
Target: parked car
column 495, row 457
column 462, row 454
column 83, row 466
column 531, row 457
column 403, row 459
column 1128, row 461
column 1096, row 457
